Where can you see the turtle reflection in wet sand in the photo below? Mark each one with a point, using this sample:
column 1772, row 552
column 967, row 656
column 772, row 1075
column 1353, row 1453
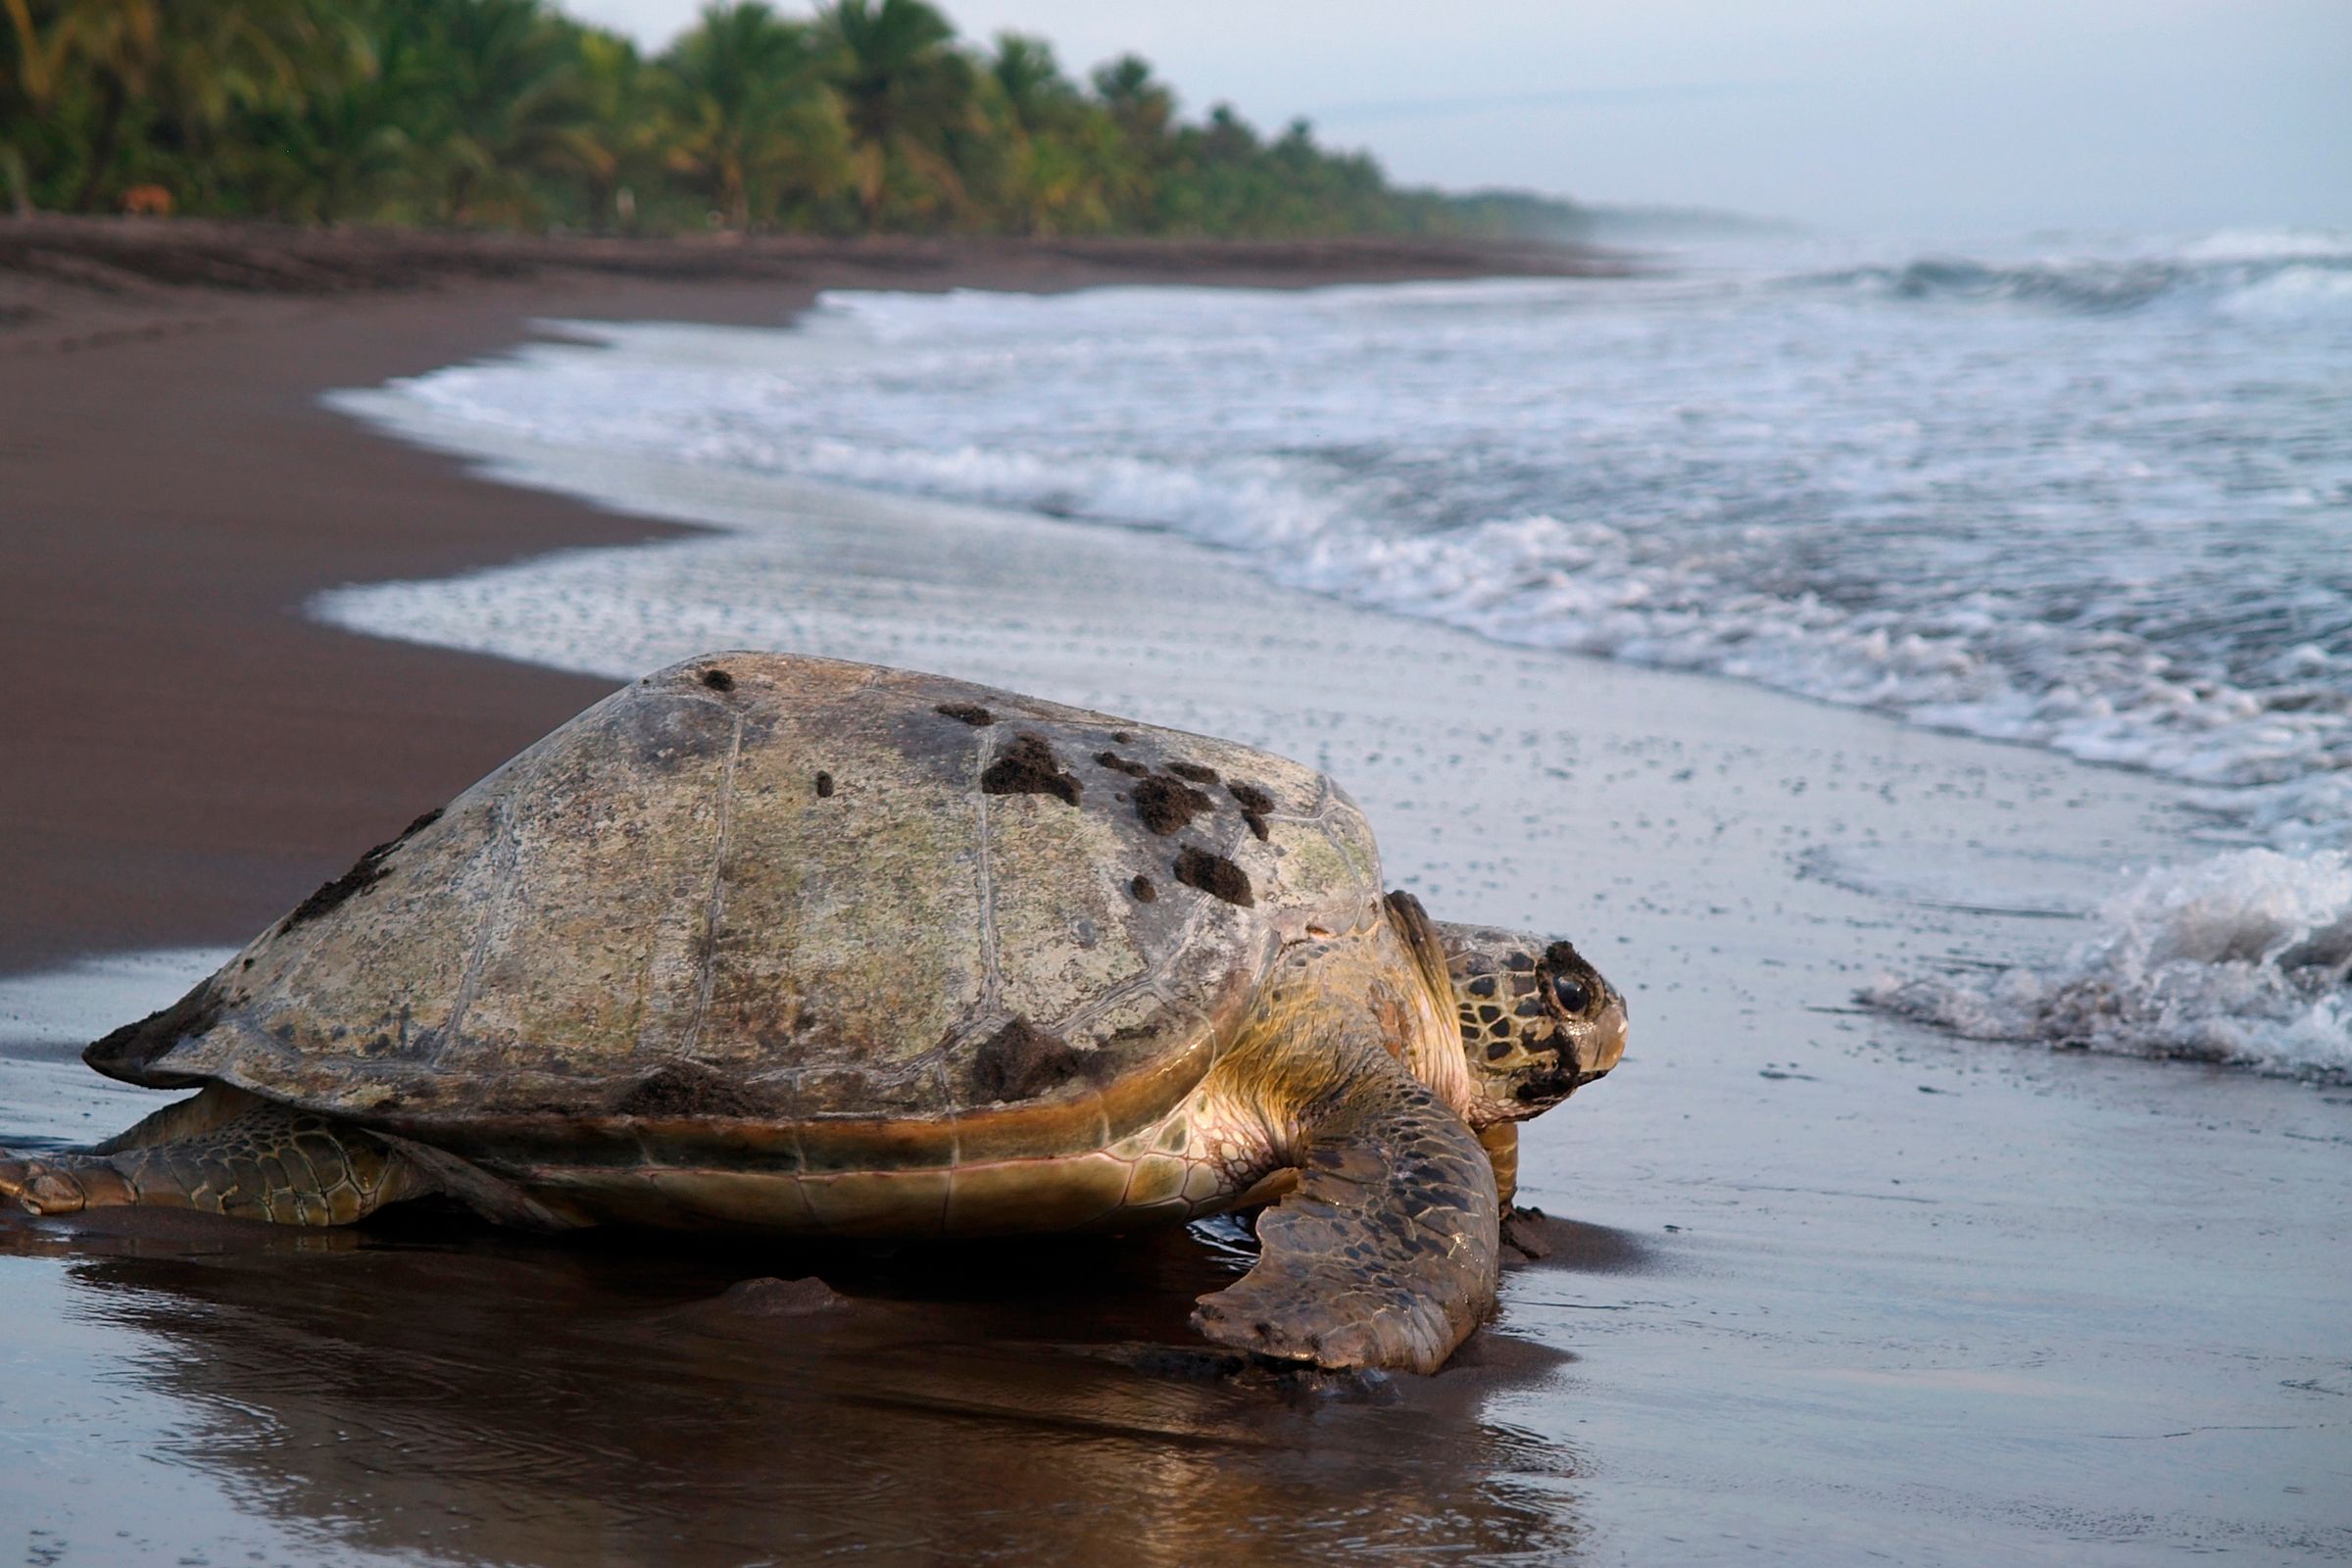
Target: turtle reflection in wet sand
column 818, row 948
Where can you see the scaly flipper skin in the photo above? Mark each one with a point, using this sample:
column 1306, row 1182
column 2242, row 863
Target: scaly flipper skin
column 1385, row 1253
column 236, row 1155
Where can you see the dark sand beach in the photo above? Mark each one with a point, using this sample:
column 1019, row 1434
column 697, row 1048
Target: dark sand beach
column 1821, row 1287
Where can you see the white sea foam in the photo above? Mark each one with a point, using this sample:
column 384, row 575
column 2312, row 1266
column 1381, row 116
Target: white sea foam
column 2268, row 244
column 2245, row 959
column 2095, row 502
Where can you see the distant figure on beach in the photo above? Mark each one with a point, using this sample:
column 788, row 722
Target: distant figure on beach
column 811, row 947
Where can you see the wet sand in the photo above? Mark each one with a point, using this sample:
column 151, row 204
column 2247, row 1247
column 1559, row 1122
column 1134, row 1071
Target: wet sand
column 1828, row 1289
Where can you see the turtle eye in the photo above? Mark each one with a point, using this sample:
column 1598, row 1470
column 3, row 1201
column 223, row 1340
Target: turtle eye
column 1571, row 993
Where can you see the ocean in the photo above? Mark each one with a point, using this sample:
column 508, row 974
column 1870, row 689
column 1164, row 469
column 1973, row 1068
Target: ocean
column 2093, row 495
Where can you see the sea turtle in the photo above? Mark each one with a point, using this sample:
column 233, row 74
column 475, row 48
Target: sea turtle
column 766, row 941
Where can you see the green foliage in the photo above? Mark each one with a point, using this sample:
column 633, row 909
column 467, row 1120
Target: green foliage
column 874, row 116
column 910, row 99
column 747, row 121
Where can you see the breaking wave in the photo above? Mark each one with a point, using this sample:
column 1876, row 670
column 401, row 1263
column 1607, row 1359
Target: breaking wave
column 2314, row 276
column 2245, row 959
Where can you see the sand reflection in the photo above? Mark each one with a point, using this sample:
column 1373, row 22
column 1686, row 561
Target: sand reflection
column 548, row 1403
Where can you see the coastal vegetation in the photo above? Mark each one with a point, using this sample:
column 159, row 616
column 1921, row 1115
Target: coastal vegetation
column 866, row 117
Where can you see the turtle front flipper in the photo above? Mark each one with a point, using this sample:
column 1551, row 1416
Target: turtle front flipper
column 1384, row 1255
column 223, row 1152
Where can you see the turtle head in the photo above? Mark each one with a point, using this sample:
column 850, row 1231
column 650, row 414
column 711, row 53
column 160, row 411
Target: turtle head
column 1537, row 1021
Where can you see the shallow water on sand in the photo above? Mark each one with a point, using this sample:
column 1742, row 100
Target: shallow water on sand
column 486, row 1400
column 1837, row 1289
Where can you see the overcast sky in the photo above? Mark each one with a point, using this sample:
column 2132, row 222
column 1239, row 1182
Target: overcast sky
column 1865, row 115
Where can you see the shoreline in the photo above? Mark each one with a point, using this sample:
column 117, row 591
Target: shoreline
column 1831, row 1288
column 173, row 786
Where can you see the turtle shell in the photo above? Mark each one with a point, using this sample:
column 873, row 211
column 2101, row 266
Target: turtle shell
column 758, row 891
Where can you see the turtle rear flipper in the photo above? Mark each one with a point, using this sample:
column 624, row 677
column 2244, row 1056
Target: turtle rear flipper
column 1384, row 1255
column 223, row 1152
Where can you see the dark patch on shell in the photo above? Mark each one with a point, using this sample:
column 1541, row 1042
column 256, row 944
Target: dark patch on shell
column 1215, row 875
column 689, row 1089
column 1195, row 771
column 1483, row 986
column 1122, row 764
column 1254, row 804
column 1522, row 962
column 1021, row 1062
column 719, row 680
column 1030, row 768
column 972, row 713
column 1166, row 804
column 824, row 784
column 365, row 873
column 1143, row 890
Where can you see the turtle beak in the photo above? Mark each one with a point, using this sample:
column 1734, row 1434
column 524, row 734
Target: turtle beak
column 1603, row 1045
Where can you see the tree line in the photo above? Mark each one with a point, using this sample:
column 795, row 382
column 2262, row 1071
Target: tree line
column 871, row 115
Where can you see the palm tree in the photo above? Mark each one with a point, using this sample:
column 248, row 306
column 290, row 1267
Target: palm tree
column 748, row 116
column 1139, row 108
column 32, row 51
column 336, row 154
column 1045, row 182
column 121, row 46
column 187, row 63
column 505, row 105
column 909, row 95
column 215, row 102
column 619, row 145
column 1029, row 81
column 1141, row 105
